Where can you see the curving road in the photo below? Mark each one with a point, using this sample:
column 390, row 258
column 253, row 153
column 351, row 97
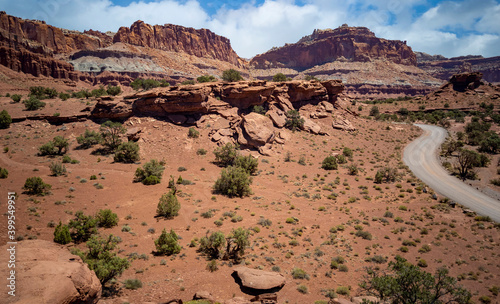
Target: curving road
column 421, row 157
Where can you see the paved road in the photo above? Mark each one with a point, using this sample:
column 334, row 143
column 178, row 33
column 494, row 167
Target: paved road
column 421, row 157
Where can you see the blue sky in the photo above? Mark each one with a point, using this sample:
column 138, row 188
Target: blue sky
column 449, row 28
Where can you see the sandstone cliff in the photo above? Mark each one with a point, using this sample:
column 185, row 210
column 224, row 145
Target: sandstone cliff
column 344, row 43
column 169, row 37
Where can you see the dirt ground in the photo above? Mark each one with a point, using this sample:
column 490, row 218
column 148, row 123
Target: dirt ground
column 394, row 213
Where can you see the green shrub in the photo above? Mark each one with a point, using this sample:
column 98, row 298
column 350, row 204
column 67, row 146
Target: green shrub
column 293, row 120
column 201, row 151
column 89, row 139
column 233, row 181
column 33, row 104
column 302, row 289
column 231, row 75
column 329, row 163
column 147, row 84
column 347, row 152
column 386, row 175
column 212, row 266
column 343, row 290
column 132, row 284
column 102, row 259
column 106, row 218
column 5, row 120
column 36, row 186
column 64, row 96
column 206, row 78
column 57, row 169
column 61, row 144
column 150, row 174
column 193, row 133
column 226, row 155
column 81, row 94
column 248, row 163
column 298, row 273
column 341, row 159
column 16, row 98
column 4, row 173
column 113, row 90
column 110, row 133
column 62, row 235
column 279, row 77
column 127, row 152
column 188, row 82
column 237, row 242
column 168, row 206
column 374, row 111
column 213, row 246
column 167, row 243
column 82, row 227
column 364, row 234
column 66, row 159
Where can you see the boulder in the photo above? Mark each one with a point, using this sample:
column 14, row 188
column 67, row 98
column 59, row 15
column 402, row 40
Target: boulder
column 258, row 128
column 311, row 126
column 133, row 134
column 268, row 298
column 277, row 116
column 112, row 109
column 343, row 124
column 204, row 295
column 259, row 279
column 48, row 273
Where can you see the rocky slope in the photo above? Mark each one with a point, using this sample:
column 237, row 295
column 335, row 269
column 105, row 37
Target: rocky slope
column 344, row 43
column 444, row 68
column 170, row 37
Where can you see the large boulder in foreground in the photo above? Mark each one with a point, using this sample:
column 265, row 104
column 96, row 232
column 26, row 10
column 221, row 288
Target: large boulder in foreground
column 258, row 128
column 48, row 273
column 259, row 279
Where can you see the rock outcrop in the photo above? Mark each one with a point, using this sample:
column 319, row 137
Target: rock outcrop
column 259, row 279
column 344, row 43
column 48, row 273
column 175, row 38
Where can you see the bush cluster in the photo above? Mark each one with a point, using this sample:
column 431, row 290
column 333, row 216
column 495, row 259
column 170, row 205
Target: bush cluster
column 58, row 146
column 5, row 120
column 293, row 120
column 231, row 75
column 218, row 246
column 36, row 186
column 167, row 243
column 147, row 84
column 150, row 174
column 169, row 205
column 127, row 152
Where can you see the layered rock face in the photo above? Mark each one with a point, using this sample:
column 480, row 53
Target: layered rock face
column 169, row 37
column 345, row 43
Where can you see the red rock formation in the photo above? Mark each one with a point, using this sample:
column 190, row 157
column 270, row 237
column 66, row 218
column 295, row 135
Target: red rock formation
column 344, row 43
column 175, row 38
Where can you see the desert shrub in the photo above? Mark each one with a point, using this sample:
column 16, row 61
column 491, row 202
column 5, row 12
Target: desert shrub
column 16, row 97
column 213, row 246
column 5, row 120
column 490, row 144
column 62, row 235
column 201, row 151
column 61, row 144
column 231, row 75
column 81, row 94
column 374, row 111
column 347, row 152
column 113, row 90
column 279, row 77
column 33, row 103
column 98, row 92
column 495, row 181
column 298, row 273
column 248, row 163
column 188, row 82
column 293, row 120
column 42, row 92
column 193, row 133
column 127, row 152
column 169, row 205
column 110, row 133
column 82, row 227
column 237, row 242
column 226, row 155
column 102, row 259
column 206, row 78
column 341, row 159
column 363, row 234
column 147, row 84
column 386, row 175
column 57, row 169
column 132, row 284
column 64, row 96
column 212, row 266
column 353, row 169
column 265, row 222
column 106, row 218
column 150, row 173
column 405, row 283
column 233, row 181
column 36, row 186
column 343, row 290
column 167, row 243
column 4, row 173
column 329, row 163
column 310, row 77
column 259, row 110
column 302, row 289
column 89, row 139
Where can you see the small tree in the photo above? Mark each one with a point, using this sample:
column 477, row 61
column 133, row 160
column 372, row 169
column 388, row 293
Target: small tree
column 213, row 246
column 374, row 111
column 293, row 120
column 386, row 175
column 33, row 103
column 113, row 90
column 237, row 242
column 57, row 168
column 110, row 132
column 466, row 160
column 5, row 120
column 168, row 243
column 407, row 284
column 279, row 77
column 16, row 97
column 231, row 75
column 168, row 206
column 102, row 259
column 206, row 78
column 150, row 173
column 47, row 149
column 61, row 234
column 249, row 163
column 233, row 181
column 226, row 155
column 329, row 163
column 88, row 139
column 127, row 152
column 107, row 218
column 61, row 144
column 82, row 227
column 36, row 186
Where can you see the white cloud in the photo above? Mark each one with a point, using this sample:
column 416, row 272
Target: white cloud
column 450, row 28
